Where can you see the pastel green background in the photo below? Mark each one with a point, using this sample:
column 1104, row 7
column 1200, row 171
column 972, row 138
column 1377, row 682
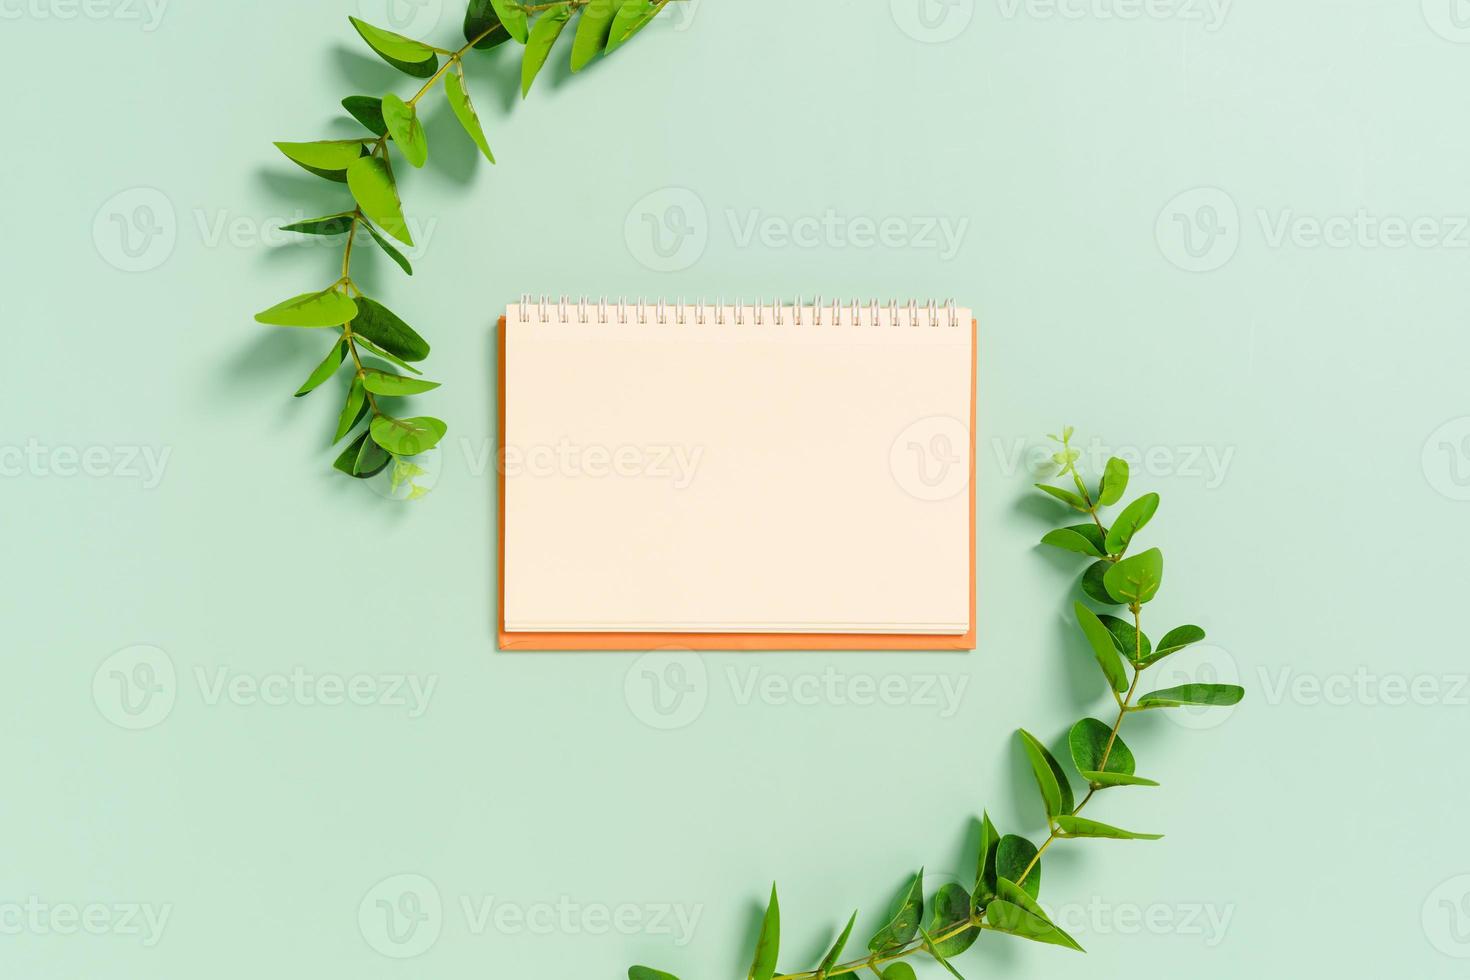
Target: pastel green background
column 1307, row 832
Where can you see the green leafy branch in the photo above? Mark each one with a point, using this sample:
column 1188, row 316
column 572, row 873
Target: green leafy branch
column 364, row 164
column 1004, row 897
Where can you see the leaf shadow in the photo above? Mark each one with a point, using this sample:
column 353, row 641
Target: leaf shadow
column 1067, row 646
column 505, row 75
column 274, row 355
column 453, row 154
column 367, row 74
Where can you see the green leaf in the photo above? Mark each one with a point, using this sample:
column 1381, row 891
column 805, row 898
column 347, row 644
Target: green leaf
column 1089, row 739
column 373, row 348
column 480, row 23
column 325, row 369
column 408, row 437
column 1114, row 481
column 1084, row 539
column 903, row 920
column 1016, row 921
column 327, row 308
column 897, row 971
column 371, row 182
column 325, row 158
column 544, row 32
column 371, row 460
column 332, row 224
column 362, row 458
column 464, row 111
column 1131, row 643
column 1065, row 496
column 648, row 973
column 1188, row 695
column 1017, row 914
column 985, row 872
column 1012, row 858
column 512, row 16
column 951, row 908
column 835, row 953
column 1136, row 580
column 1080, row 827
column 632, row 17
column 353, row 410
column 592, row 31
column 1175, row 640
column 937, row 949
column 367, row 110
column 407, row 55
column 403, row 124
column 763, row 965
column 1104, row 648
column 387, row 246
column 383, row 327
column 1130, row 522
column 1056, row 791
column 1116, row 779
column 1092, row 583
column 383, row 383
column 347, row 461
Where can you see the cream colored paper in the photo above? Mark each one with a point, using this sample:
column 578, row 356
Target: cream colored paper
column 712, row 473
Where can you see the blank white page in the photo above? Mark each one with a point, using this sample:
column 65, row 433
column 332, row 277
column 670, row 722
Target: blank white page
column 810, row 475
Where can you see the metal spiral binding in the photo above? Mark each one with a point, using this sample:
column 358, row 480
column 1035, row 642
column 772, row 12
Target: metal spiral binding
column 760, row 314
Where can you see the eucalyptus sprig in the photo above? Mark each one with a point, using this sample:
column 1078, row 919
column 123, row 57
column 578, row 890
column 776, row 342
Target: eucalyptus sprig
column 365, row 165
column 1008, row 873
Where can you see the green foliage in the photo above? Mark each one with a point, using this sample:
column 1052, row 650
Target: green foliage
column 1008, row 868
column 325, row 369
column 1082, row 827
column 538, row 46
column 1104, row 647
column 1114, row 481
column 1131, row 521
column 328, row 308
column 464, row 109
column 1056, row 791
column 403, row 125
column 368, row 111
column 1193, row 695
column 365, row 164
column 763, row 965
column 1136, row 579
column 903, row 920
column 835, row 953
column 950, row 916
column 407, row 55
column 1017, row 859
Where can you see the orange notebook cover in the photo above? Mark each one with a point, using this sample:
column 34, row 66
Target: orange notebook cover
column 820, row 327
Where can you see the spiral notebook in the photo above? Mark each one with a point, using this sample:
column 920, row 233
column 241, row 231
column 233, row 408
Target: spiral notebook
column 769, row 476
